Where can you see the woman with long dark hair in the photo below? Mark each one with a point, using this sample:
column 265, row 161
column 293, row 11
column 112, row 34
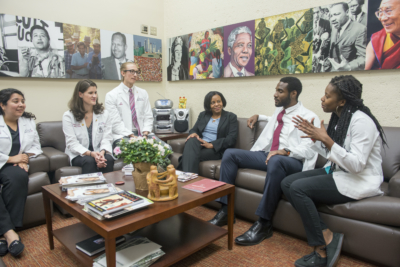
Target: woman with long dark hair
column 19, row 141
column 352, row 145
column 215, row 131
column 88, row 130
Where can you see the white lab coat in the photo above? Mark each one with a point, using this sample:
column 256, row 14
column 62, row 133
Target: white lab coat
column 300, row 147
column 360, row 156
column 77, row 137
column 28, row 138
column 117, row 104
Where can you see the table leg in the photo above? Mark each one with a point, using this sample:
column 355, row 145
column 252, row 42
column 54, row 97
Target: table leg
column 231, row 210
column 110, row 252
column 49, row 221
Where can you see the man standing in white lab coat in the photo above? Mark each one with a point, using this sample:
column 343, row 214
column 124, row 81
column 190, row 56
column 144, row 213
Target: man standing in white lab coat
column 129, row 105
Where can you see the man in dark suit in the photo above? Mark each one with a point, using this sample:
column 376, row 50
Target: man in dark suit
column 111, row 65
column 348, row 40
column 356, row 13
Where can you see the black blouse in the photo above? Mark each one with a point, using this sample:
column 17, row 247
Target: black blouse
column 15, row 142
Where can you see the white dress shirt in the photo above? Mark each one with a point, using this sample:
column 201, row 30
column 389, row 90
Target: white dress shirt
column 360, row 157
column 300, row 147
column 235, row 71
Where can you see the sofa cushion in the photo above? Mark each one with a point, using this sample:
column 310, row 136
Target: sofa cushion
column 39, row 164
column 177, row 145
column 245, row 138
column 119, row 164
column 57, row 158
column 250, row 179
column 207, row 168
column 259, row 128
column 66, row 171
column 51, row 134
column 381, row 210
column 174, row 158
column 36, row 181
column 391, row 154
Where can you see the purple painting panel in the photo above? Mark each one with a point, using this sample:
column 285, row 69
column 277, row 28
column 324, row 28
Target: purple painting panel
column 242, row 56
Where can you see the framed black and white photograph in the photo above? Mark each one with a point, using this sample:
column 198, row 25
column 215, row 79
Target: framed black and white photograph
column 8, row 46
column 178, row 58
column 40, row 48
column 116, row 48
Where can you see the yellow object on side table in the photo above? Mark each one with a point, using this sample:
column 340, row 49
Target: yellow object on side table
column 182, row 102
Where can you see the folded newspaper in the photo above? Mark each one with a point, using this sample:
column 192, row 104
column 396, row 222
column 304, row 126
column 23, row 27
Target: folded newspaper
column 136, row 252
column 186, row 176
column 87, row 193
column 82, row 179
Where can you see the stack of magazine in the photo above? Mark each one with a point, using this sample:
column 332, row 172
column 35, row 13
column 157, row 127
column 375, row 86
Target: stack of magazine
column 137, row 252
column 186, row 176
column 81, row 179
column 83, row 194
column 115, row 205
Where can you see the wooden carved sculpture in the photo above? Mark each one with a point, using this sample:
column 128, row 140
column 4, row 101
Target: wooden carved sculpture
column 161, row 189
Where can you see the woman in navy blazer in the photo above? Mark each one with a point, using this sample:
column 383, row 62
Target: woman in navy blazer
column 215, row 131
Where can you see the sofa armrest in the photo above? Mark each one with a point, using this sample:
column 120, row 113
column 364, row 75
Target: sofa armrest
column 394, row 185
column 57, row 158
column 66, row 171
column 39, row 164
column 177, row 145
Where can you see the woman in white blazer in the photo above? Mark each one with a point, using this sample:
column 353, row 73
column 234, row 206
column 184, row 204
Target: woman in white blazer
column 87, row 128
column 19, row 141
column 352, row 144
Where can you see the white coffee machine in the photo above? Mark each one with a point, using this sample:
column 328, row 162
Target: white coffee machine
column 163, row 115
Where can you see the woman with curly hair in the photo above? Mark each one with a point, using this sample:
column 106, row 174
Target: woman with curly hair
column 88, row 130
column 19, row 141
column 352, row 145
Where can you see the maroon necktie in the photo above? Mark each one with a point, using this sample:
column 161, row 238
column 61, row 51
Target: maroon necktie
column 277, row 133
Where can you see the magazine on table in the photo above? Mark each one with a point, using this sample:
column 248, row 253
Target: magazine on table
column 136, row 252
column 87, row 193
column 113, row 203
column 82, row 179
column 203, row 185
column 186, row 176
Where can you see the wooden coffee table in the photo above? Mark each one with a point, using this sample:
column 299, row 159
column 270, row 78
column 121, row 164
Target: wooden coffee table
column 164, row 223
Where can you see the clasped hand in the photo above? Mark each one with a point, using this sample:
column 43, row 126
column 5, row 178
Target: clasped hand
column 100, row 159
column 203, row 143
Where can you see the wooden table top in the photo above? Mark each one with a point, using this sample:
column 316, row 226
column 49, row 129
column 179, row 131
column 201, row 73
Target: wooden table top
column 154, row 213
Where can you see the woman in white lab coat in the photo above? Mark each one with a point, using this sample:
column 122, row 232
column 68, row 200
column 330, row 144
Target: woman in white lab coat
column 352, row 145
column 87, row 128
column 19, row 141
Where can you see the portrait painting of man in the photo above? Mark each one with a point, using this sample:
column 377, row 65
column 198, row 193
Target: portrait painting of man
column 116, row 48
column 383, row 50
column 284, row 43
column 239, row 50
column 40, row 48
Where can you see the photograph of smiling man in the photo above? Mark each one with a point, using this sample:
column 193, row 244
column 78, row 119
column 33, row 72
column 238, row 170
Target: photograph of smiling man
column 383, row 50
column 239, row 49
column 116, row 49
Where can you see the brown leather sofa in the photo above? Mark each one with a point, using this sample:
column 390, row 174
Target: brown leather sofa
column 34, row 209
column 371, row 226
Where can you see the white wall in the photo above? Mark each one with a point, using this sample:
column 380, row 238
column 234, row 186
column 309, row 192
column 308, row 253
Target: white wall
column 248, row 96
column 48, row 98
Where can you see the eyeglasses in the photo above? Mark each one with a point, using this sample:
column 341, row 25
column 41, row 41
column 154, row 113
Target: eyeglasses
column 138, row 72
column 388, row 12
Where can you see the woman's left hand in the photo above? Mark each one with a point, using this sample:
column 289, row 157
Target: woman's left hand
column 316, row 134
column 205, row 143
column 101, row 160
column 22, row 165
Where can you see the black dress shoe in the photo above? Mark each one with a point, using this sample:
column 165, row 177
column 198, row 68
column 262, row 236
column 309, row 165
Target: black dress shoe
column 311, row 260
column 16, row 247
column 333, row 249
column 255, row 235
column 3, row 247
column 220, row 219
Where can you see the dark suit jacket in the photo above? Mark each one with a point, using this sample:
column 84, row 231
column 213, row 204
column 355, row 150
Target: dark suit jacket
column 226, row 133
column 363, row 20
column 351, row 44
column 110, row 71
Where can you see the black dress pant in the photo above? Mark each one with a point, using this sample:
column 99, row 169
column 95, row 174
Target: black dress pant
column 193, row 154
column 306, row 189
column 277, row 169
column 89, row 165
column 13, row 197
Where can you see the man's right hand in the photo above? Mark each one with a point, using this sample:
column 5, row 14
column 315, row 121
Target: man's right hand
column 25, row 53
column 251, row 121
column 20, row 158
